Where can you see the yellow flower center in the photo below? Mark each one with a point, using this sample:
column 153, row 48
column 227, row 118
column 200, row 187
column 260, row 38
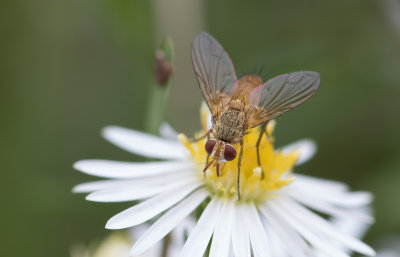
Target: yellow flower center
column 257, row 182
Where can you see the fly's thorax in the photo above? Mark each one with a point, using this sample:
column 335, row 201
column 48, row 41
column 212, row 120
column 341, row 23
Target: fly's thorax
column 245, row 85
column 236, row 105
column 229, row 125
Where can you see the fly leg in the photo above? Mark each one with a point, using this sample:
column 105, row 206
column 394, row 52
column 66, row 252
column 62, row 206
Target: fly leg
column 208, row 155
column 263, row 130
column 239, row 164
column 201, row 137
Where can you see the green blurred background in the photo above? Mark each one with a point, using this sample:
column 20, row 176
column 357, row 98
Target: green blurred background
column 68, row 68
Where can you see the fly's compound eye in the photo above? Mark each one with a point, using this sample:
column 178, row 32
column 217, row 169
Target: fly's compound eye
column 210, row 145
column 229, row 153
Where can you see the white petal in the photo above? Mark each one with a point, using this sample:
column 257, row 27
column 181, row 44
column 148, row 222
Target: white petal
column 329, row 193
column 314, row 183
column 135, row 232
column 148, row 209
column 197, row 242
column 130, row 193
column 277, row 245
column 168, row 132
column 231, row 252
column 98, row 185
column 292, row 242
column 353, row 227
column 118, row 169
column 306, row 147
column 129, row 183
column 340, row 198
column 316, row 240
column 179, row 235
column 258, row 238
column 144, row 144
column 168, row 221
column 317, row 204
column 222, row 232
column 311, row 219
column 240, row 234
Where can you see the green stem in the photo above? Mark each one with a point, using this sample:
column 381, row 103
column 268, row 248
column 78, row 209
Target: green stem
column 159, row 90
column 156, row 108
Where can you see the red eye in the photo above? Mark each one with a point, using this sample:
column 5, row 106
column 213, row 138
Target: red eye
column 229, row 153
column 210, row 145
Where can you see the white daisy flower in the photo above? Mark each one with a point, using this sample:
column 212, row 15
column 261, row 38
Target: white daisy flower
column 275, row 216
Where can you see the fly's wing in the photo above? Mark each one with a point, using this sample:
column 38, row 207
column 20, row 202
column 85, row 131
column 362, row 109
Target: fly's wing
column 213, row 68
column 281, row 94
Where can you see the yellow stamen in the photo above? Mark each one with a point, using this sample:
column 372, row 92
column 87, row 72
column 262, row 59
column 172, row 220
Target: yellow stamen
column 185, row 142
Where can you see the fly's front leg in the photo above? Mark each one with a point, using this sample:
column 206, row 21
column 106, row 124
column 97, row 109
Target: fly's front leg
column 239, row 164
column 208, row 155
column 201, row 137
column 208, row 137
column 263, row 130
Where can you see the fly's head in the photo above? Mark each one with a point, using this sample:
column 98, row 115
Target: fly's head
column 220, row 152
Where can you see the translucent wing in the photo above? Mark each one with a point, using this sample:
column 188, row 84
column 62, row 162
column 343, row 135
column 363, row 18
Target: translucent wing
column 281, row 94
column 213, row 68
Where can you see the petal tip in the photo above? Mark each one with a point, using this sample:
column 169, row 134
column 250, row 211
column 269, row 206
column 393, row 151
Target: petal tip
column 87, row 166
column 76, row 189
column 370, row 251
column 78, row 165
column 307, row 148
column 90, row 197
column 111, row 224
column 107, row 131
column 133, row 251
column 308, row 144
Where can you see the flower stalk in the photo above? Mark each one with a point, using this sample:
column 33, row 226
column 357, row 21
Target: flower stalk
column 163, row 70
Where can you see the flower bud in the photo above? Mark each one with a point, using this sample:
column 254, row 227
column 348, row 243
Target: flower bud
column 163, row 68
